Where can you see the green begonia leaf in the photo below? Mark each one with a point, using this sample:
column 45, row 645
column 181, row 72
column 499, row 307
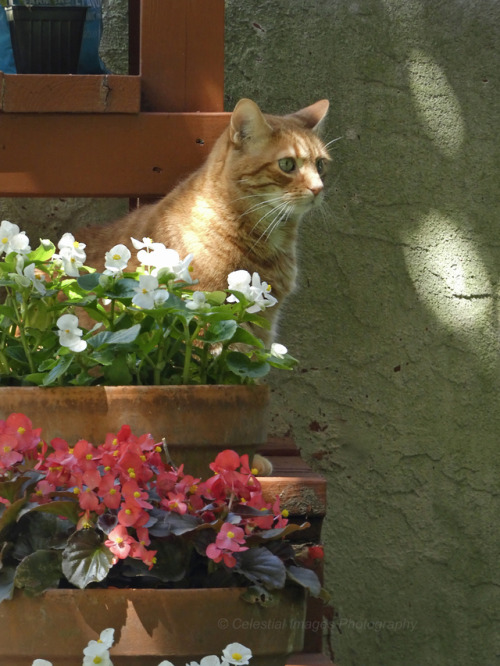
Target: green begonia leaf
column 86, row 559
column 262, row 567
column 243, row 366
column 39, row 571
column 58, row 370
column 221, row 331
column 305, row 577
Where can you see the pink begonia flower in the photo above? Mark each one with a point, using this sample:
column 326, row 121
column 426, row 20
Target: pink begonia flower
column 119, row 542
column 230, row 539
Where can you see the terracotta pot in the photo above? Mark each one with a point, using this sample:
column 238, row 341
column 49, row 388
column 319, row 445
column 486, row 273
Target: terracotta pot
column 196, row 421
column 150, row 625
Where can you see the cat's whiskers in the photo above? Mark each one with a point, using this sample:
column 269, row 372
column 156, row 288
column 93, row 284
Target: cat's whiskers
column 332, row 141
column 272, row 210
column 261, row 204
column 283, row 212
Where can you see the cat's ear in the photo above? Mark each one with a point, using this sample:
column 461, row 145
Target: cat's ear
column 312, row 116
column 247, row 122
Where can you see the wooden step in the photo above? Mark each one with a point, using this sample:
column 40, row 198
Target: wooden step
column 309, row 659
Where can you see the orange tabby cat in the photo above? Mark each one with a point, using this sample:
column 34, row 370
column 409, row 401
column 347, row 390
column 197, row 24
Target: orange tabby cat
column 241, row 209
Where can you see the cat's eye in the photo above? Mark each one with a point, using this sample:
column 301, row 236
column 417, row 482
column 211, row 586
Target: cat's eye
column 320, row 166
column 287, row 164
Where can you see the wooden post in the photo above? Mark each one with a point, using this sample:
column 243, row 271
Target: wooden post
column 182, row 55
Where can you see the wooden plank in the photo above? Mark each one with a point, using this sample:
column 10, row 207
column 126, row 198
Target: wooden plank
column 134, row 36
column 102, row 155
column 309, row 659
column 301, row 491
column 182, row 55
column 279, row 446
column 205, row 55
column 68, row 93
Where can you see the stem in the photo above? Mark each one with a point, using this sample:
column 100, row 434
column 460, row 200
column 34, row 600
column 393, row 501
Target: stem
column 186, row 374
column 20, row 327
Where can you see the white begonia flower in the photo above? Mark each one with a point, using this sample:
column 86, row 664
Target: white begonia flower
column 165, row 663
column 7, row 231
column 71, row 254
column 105, row 640
column 97, row 653
column 236, row 653
column 68, row 240
column 116, row 259
column 252, row 288
column 278, row 350
column 210, row 660
column 70, row 334
column 35, row 279
column 165, row 260
column 19, row 243
column 161, row 295
column 41, row 662
column 146, row 243
column 198, row 302
column 145, row 292
column 149, row 253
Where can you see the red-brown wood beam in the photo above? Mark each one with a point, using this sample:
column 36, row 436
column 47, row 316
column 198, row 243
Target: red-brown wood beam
column 141, row 155
column 182, row 55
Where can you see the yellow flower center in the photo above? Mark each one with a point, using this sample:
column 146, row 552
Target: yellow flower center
column 137, row 494
column 230, row 535
column 88, row 456
column 7, row 449
column 285, row 513
column 21, row 430
column 76, row 491
column 254, row 471
column 76, row 244
column 237, row 656
column 5, row 240
column 112, row 491
column 116, row 257
column 97, row 660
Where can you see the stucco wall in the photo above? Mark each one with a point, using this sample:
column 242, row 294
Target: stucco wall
column 396, row 320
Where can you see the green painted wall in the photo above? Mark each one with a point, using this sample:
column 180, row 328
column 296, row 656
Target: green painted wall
column 396, row 321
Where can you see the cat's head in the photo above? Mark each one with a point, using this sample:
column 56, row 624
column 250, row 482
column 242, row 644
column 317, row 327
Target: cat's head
column 278, row 162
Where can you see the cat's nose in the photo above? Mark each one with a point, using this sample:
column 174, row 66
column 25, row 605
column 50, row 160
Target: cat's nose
column 316, row 188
